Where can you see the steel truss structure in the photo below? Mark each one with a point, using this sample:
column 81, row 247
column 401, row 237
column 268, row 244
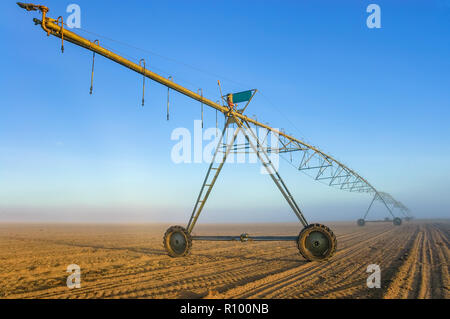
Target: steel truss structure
column 315, row 241
column 324, row 168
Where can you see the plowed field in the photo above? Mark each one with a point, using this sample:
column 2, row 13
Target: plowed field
column 129, row 261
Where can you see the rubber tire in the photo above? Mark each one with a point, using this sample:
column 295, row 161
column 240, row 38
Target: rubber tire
column 166, row 241
column 301, row 242
column 360, row 222
column 397, row 221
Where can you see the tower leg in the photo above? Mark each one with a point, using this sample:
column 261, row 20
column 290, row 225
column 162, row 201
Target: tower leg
column 371, row 203
column 385, row 204
column 208, row 183
column 267, row 163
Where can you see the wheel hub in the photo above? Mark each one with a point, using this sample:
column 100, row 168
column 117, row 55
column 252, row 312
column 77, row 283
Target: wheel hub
column 177, row 242
column 317, row 243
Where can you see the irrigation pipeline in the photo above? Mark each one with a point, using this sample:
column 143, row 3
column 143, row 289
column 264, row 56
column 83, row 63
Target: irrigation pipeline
column 52, row 27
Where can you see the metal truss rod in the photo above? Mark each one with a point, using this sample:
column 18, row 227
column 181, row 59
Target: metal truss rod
column 385, row 204
column 267, row 163
column 371, row 203
column 203, row 195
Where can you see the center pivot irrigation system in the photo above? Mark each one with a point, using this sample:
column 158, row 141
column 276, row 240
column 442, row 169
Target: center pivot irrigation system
column 315, row 241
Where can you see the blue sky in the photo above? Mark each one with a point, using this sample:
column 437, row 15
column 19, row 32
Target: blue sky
column 376, row 99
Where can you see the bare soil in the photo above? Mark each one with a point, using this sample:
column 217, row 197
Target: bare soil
column 129, row 261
